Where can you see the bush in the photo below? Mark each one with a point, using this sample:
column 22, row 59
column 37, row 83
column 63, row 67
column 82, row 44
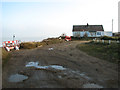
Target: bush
column 110, row 38
column 106, row 38
column 28, row 45
column 119, row 38
column 52, row 41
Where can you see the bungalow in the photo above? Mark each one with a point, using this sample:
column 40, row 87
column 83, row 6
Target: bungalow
column 88, row 30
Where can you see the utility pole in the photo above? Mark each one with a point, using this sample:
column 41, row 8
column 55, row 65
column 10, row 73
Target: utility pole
column 112, row 25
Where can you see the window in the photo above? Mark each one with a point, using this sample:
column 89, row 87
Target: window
column 98, row 33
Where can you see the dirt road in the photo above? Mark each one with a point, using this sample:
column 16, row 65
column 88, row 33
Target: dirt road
column 80, row 69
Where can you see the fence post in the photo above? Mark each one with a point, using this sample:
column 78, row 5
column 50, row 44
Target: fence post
column 103, row 41
column 95, row 39
column 109, row 41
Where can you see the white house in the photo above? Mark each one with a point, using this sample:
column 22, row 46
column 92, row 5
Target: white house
column 89, row 31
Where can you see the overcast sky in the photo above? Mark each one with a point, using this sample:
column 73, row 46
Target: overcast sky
column 51, row 18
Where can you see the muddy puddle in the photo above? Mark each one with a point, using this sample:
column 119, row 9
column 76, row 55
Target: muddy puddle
column 80, row 74
column 66, row 73
column 36, row 65
column 91, row 85
column 17, row 78
column 85, row 76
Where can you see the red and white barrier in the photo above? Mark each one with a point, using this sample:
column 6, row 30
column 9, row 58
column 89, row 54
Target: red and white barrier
column 11, row 45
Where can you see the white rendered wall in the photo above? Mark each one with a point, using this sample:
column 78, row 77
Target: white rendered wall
column 108, row 33
column 82, row 33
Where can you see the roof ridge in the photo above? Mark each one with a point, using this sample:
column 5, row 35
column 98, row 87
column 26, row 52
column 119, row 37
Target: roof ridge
column 88, row 25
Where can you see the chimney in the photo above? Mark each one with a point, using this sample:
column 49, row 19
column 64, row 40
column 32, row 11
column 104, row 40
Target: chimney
column 87, row 24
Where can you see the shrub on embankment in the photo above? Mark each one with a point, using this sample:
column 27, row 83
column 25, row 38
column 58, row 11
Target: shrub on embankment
column 30, row 45
column 83, row 38
column 91, row 38
column 110, row 38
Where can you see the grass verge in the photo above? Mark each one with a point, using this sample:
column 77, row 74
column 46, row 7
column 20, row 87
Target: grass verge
column 102, row 51
column 5, row 56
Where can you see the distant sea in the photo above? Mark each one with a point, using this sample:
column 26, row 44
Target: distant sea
column 23, row 39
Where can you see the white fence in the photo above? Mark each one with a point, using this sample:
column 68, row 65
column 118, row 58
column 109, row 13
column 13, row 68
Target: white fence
column 106, row 41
